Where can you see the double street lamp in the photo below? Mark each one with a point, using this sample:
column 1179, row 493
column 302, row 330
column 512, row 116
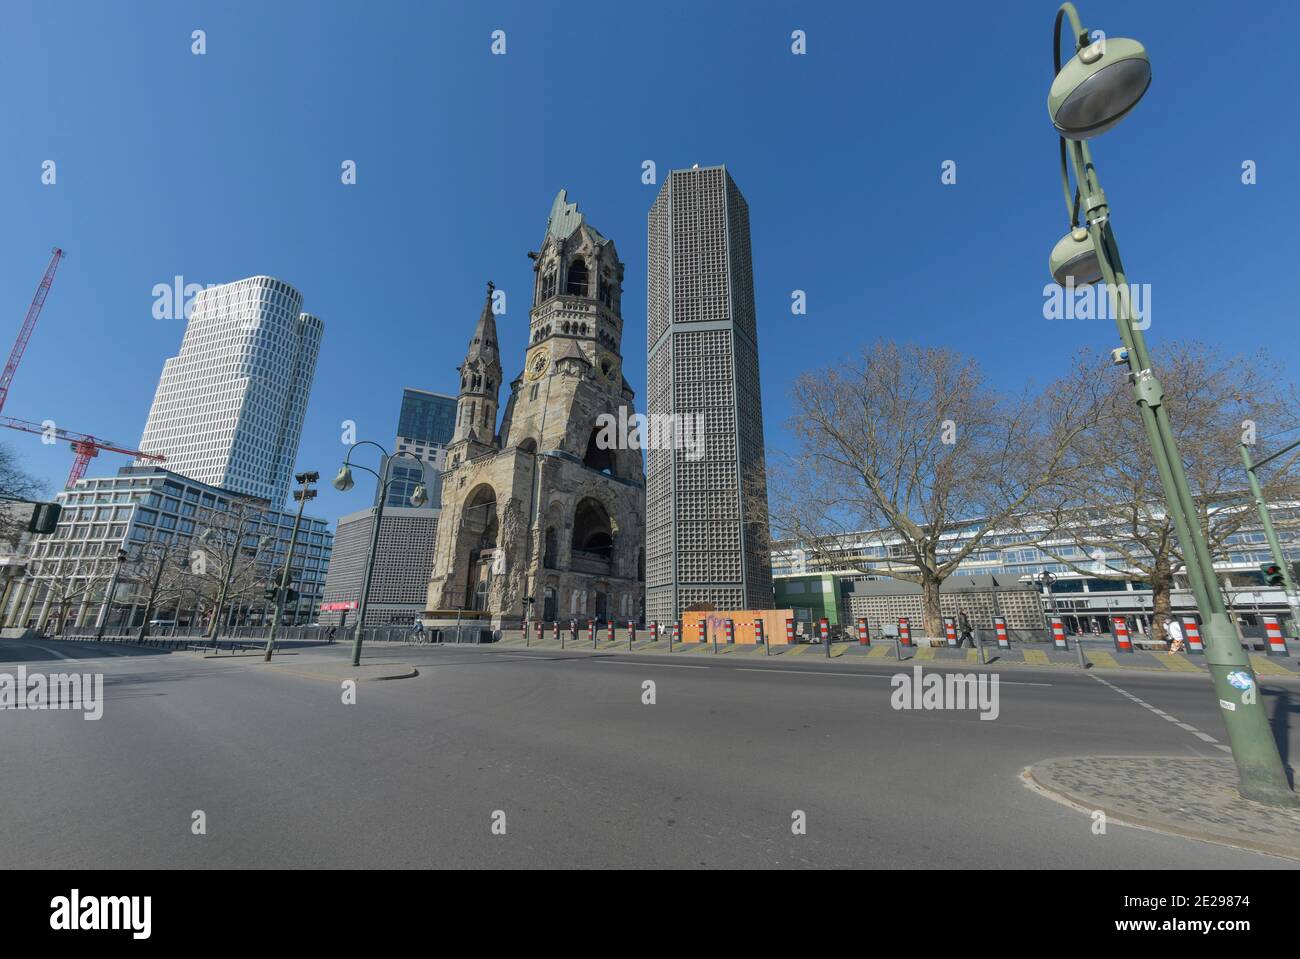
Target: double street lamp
column 344, row 482
column 280, row 591
column 1089, row 95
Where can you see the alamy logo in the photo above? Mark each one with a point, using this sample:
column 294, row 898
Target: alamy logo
column 177, row 300
column 1097, row 301
column 74, row 912
column 946, row 691
column 24, row 690
column 656, row 431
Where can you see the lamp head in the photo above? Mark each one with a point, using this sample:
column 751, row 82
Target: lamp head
column 1074, row 259
column 344, row 482
column 1098, row 87
column 419, row 496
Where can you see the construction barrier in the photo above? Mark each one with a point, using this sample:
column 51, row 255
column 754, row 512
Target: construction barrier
column 1273, row 634
column 1000, row 629
column 904, row 631
column 1058, row 635
column 950, row 631
column 1123, row 642
column 1193, row 633
column 864, row 634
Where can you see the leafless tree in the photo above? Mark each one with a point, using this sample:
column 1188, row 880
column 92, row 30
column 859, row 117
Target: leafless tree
column 1107, row 518
column 230, row 565
column 18, row 484
column 915, row 443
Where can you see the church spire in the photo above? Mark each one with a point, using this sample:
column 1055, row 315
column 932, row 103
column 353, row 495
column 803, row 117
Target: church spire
column 480, row 379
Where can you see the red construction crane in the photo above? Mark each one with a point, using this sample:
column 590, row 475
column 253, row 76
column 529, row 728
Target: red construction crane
column 86, row 447
column 29, row 324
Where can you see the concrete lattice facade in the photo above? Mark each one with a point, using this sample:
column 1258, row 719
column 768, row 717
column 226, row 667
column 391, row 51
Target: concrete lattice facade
column 539, row 510
column 706, row 525
column 403, row 564
column 230, row 405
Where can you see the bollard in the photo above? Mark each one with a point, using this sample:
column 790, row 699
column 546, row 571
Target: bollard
column 731, row 632
column 1119, row 628
column 526, row 633
column 950, row 631
column 1273, row 635
column 789, row 632
column 1000, row 630
column 538, row 627
column 609, row 631
column 760, row 638
column 654, row 631
column 555, row 632
column 703, row 632
column 631, row 634
column 824, row 626
column 904, row 631
column 591, row 632
column 1058, row 635
column 675, row 633
column 1195, row 645
column 864, row 634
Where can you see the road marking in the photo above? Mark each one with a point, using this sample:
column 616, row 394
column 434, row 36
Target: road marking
column 52, row 652
column 1103, row 659
column 880, row 651
column 1176, row 663
column 827, row 672
column 623, row 662
column 1205, row 737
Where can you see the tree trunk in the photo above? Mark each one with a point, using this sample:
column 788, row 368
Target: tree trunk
column 1162, row 584
column 930, row 603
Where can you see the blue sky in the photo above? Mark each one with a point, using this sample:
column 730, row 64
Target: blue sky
column 227, row 165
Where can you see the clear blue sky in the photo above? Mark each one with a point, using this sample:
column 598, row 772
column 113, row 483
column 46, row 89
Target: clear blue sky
column 226, row 165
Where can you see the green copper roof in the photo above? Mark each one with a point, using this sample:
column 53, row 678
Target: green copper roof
column 565, row 219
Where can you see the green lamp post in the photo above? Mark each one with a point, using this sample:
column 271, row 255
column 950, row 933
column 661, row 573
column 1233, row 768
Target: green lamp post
column 1090, row 94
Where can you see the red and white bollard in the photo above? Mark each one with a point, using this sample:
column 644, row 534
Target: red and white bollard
column 904, row 631
column 758, row 632
column 1058, row 635
column 591, row 632
column 729, row 631
column 677, row 632
column 539, row 630
column 555, row 631
column 654, row 631
column 824, row 628
column 789, row 632
column 950, row 631
column 1000, row 630
column 1273, row 635
column 1119, row 627
column 1193, row 632
column 631, row 633
column 864, row 634
column 704, row 631
column 609, row 631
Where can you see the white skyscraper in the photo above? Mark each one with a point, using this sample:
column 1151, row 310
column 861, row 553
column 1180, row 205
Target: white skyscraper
column 230, row 406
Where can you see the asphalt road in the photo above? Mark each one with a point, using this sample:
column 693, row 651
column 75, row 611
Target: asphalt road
column 417, row 771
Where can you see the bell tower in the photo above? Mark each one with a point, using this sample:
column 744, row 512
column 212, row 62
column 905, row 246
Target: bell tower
column 480, row 380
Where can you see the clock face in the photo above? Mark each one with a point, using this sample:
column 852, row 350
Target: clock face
column 537, row 364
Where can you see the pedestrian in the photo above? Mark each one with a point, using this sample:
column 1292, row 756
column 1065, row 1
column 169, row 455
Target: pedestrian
column 1174, row 634
column 963, row 625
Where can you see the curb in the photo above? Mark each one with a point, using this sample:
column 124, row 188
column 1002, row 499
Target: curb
column 1165, row 826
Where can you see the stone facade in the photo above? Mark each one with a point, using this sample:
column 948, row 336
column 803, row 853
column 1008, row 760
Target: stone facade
column 539, row 517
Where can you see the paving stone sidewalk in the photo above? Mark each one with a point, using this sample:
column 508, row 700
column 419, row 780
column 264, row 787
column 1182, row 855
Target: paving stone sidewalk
column 1185, row 796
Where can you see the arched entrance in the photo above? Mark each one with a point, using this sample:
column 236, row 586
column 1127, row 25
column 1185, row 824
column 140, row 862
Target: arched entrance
column 479, row 531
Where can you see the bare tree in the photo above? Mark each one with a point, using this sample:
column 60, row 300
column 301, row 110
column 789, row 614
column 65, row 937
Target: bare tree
column 70, row 582
column 228, row 564
column 913, row 442
column 15, row 483
column 1107, row 519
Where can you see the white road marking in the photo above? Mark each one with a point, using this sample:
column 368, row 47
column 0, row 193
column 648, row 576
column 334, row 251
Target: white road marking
column 621, row 662
column 1162, row 714
column 818, row 672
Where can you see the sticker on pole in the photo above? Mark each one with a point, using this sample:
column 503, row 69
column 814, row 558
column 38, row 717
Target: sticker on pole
column 1240, row 680
column 1231, row 707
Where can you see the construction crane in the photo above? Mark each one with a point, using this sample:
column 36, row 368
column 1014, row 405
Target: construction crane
column 85, row 446
column 29, row 324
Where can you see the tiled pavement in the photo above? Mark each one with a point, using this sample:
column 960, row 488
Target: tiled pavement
column 1100, row 655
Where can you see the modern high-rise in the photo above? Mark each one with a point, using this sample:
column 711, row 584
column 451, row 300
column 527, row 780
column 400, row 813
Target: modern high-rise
column 706, row 515
column 424, row 428
column 230, row 405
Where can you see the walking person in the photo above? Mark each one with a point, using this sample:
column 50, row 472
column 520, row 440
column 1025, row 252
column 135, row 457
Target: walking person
column 1174, row 634
column 964, row 629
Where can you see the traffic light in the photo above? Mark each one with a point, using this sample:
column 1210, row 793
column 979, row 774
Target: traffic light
column 1272, row 574
column 271, row 593
column 45, row 516
column 290, row 595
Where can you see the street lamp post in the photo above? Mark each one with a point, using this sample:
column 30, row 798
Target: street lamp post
column 1094, row 90
column 302, row 496
column 1270, row 534
column 118, row 562
column 344, row 482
